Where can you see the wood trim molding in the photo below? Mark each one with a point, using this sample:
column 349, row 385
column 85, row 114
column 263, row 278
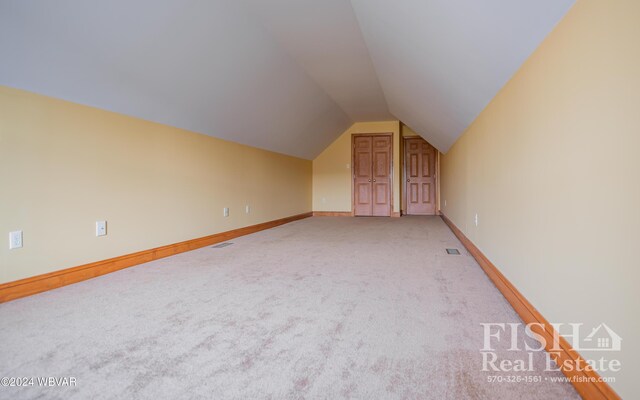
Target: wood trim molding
column 587, row 382
column 395, row 214
column 41, row 283
column 333, row 214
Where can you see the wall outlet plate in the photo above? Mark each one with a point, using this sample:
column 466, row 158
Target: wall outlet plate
column 101, row 228
column 225, row 211
column 15, row 240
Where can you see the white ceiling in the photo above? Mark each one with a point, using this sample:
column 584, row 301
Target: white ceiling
column 325, row 39
column 283, row 75
column 440, row 62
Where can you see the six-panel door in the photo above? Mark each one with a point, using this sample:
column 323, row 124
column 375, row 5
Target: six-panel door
column 420, row 162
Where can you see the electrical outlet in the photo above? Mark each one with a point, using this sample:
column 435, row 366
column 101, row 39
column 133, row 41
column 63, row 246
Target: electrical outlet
column 15, row 240
column 348, row 166
column 476, row 219
column 445, row 203
column 101, row 228
column 247, row 209
column 225, row 211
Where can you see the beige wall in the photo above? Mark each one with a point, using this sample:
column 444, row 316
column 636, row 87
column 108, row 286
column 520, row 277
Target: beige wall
column 64, row 166
column 551, row 167
column 406, row 131
column 332, row 168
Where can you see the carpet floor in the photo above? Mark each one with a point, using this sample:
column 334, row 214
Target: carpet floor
column 322, row 308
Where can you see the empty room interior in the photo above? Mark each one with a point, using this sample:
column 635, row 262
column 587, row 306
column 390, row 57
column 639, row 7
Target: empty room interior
column 336, row 199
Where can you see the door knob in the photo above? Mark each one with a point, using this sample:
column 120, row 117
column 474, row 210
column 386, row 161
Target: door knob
column 369, row 180
column 374, row 180
column 408, row 180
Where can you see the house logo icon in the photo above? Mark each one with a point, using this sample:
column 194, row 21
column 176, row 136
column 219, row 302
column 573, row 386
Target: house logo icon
column 602, row 338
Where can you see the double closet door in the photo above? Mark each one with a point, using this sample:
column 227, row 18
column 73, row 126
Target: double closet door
column 372, row 168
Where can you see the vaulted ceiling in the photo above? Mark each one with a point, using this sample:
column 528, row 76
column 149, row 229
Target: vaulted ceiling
column 283, row 75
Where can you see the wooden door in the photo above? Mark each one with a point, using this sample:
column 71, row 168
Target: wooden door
column 362, row 179
column 420, row 175
column 372, row 165
column 381, row 172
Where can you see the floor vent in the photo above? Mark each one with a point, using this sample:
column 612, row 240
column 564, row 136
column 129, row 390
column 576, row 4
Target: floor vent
column 453, row 251
column 221, row 245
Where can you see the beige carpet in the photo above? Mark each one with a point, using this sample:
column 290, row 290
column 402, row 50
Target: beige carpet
column 323, row 308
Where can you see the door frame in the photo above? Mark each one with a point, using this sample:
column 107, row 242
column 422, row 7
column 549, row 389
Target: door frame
column 403, row 206
column 353, row 177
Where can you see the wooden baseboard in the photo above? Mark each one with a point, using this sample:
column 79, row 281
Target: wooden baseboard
column 332, row 214
column 587, row 383
column 40, row 283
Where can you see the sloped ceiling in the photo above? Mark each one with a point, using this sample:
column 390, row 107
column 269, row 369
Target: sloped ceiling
column 283, row 75
column 441, row 61
column 325, row 39
column 206, row 66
